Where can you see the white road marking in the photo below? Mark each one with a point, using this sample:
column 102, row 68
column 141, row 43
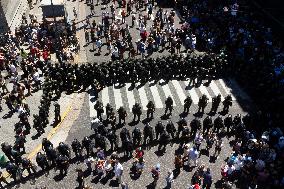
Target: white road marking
column 168, row 93
column 216, row 90
column 93, row 112
column 143, row 97
column 179, row 91
column 130, row 96
column 193, row 94
column 117, row 98
column 157, row 100
column 105, row 98
column 203, row 90
column 227, row 89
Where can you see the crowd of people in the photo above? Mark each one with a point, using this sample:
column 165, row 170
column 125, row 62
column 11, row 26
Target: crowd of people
column 249, row 50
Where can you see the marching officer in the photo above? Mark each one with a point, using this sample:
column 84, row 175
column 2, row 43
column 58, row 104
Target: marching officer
column 218, row 124
column 121, row 114
column 159, row 128
column 207, row 124
column 27, row 165
column 187, row 104
column 64, row 149
column 181, row 124
column 228, row 101
column 41, row 160
column 109, row 110
column 203, row 101
column 170, row 128
column 169, row 105
column 100, row 109
column 164, row 140
column 150, row 109
column 136, row 110
column 57, row 113
column 228, row 122
column 62, row 163
column 112, row 120
column 87, row 144
column 195, row 125
column 137, row 136
column 111, row 136
column 46, row 144
column 77, row 148
column 215, row 103
column 148, row 133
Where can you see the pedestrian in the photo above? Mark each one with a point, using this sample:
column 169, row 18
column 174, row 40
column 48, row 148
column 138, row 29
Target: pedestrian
column 207, row 179
column 118, row 171
column 169, row 179
column 156, row 174
column 80, row 179
column 193, row 155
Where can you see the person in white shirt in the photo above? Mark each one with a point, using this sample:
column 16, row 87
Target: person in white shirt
column 169, row 179
column 118, row 170
column 193, row 155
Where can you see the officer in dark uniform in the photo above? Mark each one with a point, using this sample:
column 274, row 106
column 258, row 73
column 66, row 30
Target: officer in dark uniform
column 218, row 124
column 228, row 123
column 109, row 110
column 121, row 114
column 77, row 148
column 27, row 165
column 137, row 136
column 64, row 149
column 194, row 125
column 38, row 125
column 150, row 109
column 51, row 155
column 215, row 103
column 181, row 124
column 14, row 171
column 41, row 160
column 57, row 113
column 170, row 128
column 87, row 144
column 203, row 101
column 111, row 136
column 164, row 140
column 187, row 104
column 148, row 133
column 62, row 163
column 207, row 124
column 185, row 135
column 169, row 105
column 159, row 128
column 46, row 144
column 193, row 75
column 100, row 109
column 7, row 150
column 112, row 120
column 227, row 103
column 136, row 110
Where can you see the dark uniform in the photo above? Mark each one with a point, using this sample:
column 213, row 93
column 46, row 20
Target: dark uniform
column 57, row 113
column 87, row 144
column 187, row 104
column 136, row 110
column 100, row 109
column 169, row 105
column 77, row 148
column 170, row 128
column 109, row 110
column 148, row 133
column 215, row 104
column 203, row 101
column 207, row 124
column 227, row 103
column 62, row 163
column 27, row 165
column 159, row 129
column 41, row 161
column 121, row 114
column 137, row 136
column 150, row 109
column 218, row 124
column 228, row 122
column 164, row 140
column 194, row 125
column 181, row 124
column 111, row 136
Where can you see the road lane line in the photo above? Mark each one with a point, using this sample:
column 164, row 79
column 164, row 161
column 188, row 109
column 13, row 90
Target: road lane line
column 130, row 96
column 143, row 97
column 168, row 93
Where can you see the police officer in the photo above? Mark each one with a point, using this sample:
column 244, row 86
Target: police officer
column 185, row 135
column 38, row 125
column 64, row 149
column 137, row 136
column 215, row 103
column 14, row 170
column 203, row 101
column 159, row 128
column 112, row 120
column 228, row 123
column 99, row 108
column 121, row 114
column 181, row 124
column 57, row 113
column 87, row 144
column 109, row 110
column 207, row 124
column 187, row 104
column 46, row 144
column 111, row 136
column 77, row 148
column 7, row 150
column 227, row 103
column 51, row 155
column 41, row 161
column 195, row 125
column 148, row 133
column 169, row 105
column 62, row 163
column 136, row 110
column 218, row 124
column 27, row 165
column 150, row 109
column 170, row 128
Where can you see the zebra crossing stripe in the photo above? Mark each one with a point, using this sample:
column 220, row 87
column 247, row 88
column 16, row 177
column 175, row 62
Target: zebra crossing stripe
column 130, row 96
column 105, row 97
column 193, row 94
column 93, row 112
column 203, row 90
column 168, row 93
column 215, row 90
column 157, row 100
column 143, row 97
column 227, row 90
column 117, row 98
column 179, row 91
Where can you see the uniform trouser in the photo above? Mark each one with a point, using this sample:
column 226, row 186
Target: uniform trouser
column 150, row 113
column 186, row 109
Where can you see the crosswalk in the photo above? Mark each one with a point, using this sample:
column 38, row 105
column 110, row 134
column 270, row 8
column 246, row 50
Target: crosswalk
column 127, row 96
